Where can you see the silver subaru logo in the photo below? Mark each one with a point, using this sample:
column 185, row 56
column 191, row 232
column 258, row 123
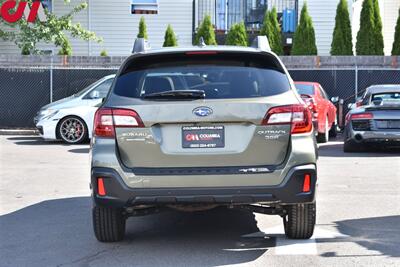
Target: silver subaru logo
column 202, row 111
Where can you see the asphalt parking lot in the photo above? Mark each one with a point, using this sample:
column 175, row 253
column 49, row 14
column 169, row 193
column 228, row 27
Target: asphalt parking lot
column 45, row 217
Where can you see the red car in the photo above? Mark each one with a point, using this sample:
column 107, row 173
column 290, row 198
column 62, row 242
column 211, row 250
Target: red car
column 324, row 111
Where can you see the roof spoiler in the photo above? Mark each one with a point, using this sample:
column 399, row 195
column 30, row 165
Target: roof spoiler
column 262, row 43
column 140, row 45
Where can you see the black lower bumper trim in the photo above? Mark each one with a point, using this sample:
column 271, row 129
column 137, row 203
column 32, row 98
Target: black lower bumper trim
column 40, row 129
column 288, row 192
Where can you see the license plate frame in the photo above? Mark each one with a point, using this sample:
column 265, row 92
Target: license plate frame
column 203, row 136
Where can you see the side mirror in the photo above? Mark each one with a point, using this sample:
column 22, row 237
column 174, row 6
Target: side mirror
column 335, row 99
column 94, row 95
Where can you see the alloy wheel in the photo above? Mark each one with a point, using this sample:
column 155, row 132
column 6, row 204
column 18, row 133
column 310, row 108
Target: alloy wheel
column 72, row 130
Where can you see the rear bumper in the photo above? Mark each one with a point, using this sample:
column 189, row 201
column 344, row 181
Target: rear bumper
column 376, row 136
column 118, row 194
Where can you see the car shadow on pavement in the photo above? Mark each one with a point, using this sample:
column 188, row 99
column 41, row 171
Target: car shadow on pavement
column 80, row 150
column 336, row 150
column 59, row 232
column 379, row 234
column 33, row 141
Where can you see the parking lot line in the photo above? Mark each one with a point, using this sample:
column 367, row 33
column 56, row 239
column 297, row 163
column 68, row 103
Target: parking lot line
column 285, row 246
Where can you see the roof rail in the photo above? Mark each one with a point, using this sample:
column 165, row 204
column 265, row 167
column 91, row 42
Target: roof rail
column 140, row 45
column 262, row 43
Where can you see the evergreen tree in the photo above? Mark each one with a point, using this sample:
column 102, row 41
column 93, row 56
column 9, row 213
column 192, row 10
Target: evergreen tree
column 170, row 38
column 142, row 29
column 379, row 44
column 237, row 35
column 304, row 37
column 396, row 43
column 272, row 30
column 342, row 43
column 206, row 30
column 366, row 35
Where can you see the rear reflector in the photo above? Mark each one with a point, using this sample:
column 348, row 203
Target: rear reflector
column 307, row 183
column 101, row 190
column 362, row 116
column 107, row 119
column 299, row 116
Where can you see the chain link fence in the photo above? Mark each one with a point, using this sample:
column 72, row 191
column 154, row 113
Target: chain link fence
column 24, row 90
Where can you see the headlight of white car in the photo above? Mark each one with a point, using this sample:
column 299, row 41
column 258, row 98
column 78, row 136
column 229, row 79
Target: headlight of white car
column 48, row 113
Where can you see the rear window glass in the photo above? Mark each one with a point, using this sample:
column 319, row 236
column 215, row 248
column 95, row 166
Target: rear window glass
column 216, row 77
column 305, row 89
column 387, row 98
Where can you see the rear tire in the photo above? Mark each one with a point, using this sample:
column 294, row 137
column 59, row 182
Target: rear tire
column 299, row 222
column 324, row 137
column 334, row 130
column 108, row 224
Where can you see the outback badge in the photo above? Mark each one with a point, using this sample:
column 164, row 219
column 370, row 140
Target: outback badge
column 202, row 111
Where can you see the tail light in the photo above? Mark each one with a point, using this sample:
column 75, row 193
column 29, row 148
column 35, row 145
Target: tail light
column 299, row 116
column 107, row 119
column 362, row 116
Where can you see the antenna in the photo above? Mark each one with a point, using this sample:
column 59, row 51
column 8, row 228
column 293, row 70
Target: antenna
column 262, row 43
column 140, row 45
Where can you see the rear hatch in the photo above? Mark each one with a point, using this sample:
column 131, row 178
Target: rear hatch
column 202, row 110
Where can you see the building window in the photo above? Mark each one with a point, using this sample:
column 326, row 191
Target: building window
column 144, row 7
column 48, row 4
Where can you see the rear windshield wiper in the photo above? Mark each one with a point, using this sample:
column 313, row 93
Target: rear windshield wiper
column 177, row 94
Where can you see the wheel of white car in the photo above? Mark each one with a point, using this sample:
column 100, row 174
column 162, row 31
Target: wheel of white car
column 72, row 130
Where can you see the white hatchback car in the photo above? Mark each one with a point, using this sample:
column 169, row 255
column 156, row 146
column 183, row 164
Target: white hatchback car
column 71, row 119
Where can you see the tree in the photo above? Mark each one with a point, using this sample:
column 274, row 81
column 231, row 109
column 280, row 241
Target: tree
column 396, row 43
column 272, row 30
column 142, row 29
column 54, row 30
column 237, row 35
column 103, row 53
column 379, row 44
column 170, row 38
column 66, row 48
column 342, row 43
column 304, row 37
column 206, row 30
column 366, row 35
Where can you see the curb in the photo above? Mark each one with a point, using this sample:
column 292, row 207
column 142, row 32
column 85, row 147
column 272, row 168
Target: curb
column 18, row 132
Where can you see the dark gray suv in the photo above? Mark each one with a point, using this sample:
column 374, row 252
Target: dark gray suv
column 196, row 128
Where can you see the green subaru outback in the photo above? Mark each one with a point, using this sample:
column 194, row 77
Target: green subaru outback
column 196, row 128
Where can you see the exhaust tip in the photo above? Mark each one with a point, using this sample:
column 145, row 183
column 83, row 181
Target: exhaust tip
column 358, row 137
